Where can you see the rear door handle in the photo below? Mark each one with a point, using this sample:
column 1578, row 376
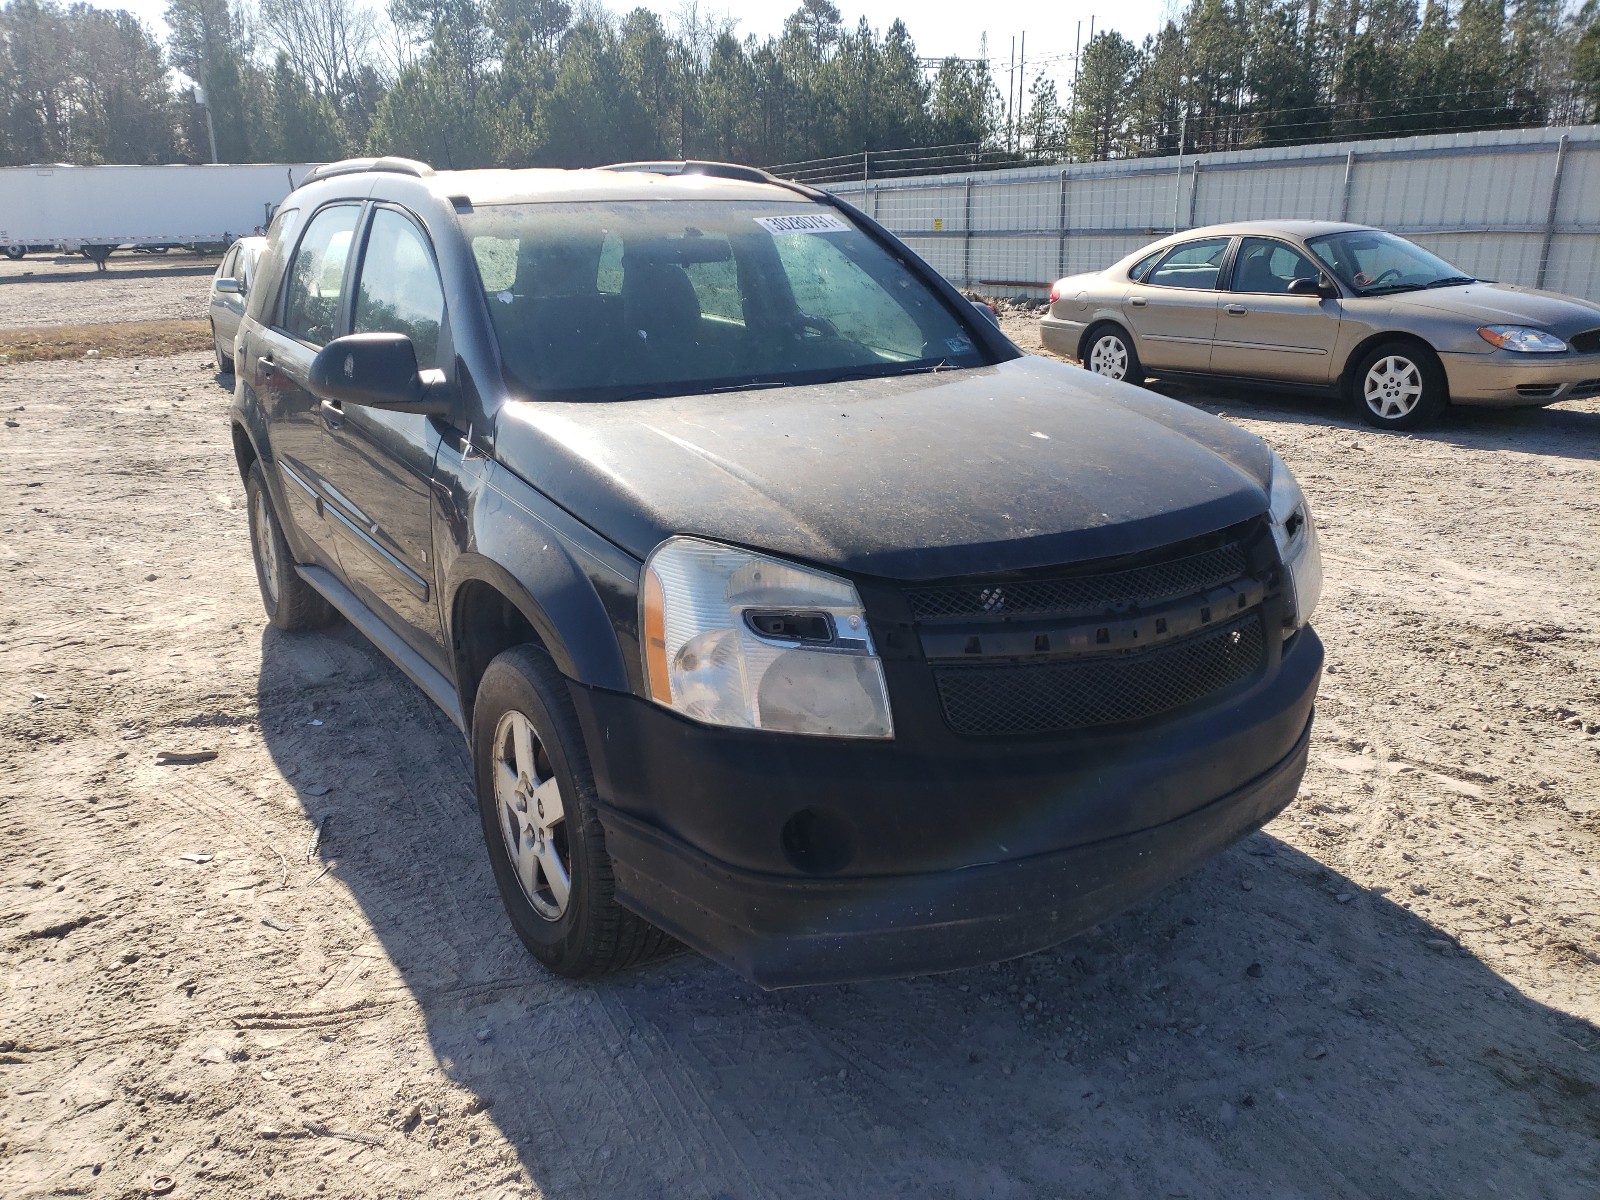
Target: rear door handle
column 1235, row 310
column 267, row 365
column 1138, row 301
column 332, row 413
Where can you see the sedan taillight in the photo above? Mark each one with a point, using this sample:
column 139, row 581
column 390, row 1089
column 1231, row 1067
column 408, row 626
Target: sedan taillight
column 1055, row 291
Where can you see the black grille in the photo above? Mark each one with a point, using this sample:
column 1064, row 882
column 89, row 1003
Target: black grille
column 1062, row 595
column 1587, row 342
column 1027, row 698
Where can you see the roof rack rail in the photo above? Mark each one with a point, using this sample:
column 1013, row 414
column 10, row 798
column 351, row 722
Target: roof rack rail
column 694, row 166
column 353, row 166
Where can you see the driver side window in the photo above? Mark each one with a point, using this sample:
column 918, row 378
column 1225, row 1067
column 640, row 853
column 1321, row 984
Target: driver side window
column 316, row 277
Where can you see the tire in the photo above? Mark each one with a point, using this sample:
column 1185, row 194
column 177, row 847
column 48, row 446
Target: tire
column 292, row 604
column 1108, row 350
column 224, row 361
column 1398, row 385
column 529, row 760
column 15, row 252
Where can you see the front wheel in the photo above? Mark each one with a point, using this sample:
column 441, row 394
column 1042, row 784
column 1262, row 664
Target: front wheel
column 536, row 802
column 1399, row 385
column 1109, row 352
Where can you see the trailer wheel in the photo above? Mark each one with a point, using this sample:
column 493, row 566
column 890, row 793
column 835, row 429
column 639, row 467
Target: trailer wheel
column 15, row 252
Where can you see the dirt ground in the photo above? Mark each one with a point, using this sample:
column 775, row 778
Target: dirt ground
column 1392, row 991
column 48, row 289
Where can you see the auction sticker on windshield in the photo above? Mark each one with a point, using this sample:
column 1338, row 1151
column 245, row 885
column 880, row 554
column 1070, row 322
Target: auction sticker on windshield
column 810, row 223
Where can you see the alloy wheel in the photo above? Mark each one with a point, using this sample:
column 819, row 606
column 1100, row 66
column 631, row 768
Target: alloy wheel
column 532, row 816
column 266, row 547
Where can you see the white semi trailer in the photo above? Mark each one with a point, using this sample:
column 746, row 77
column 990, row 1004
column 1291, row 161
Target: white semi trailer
column 94, row 210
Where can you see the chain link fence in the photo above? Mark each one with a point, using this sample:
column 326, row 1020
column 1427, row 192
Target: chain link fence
column 1518, row 206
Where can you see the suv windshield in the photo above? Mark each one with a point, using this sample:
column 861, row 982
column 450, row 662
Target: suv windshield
column 634, row 298
column 1373, row 262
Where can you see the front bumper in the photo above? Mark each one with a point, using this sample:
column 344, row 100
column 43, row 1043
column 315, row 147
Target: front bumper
column 1508, row 380
column 937, row 852
column 1061, row 336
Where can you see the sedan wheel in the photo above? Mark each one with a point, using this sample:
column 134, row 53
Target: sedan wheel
column 1393, row 387
column 1111, row 354
column 1399, row 386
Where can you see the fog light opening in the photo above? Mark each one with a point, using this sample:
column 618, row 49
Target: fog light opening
column 817, row 842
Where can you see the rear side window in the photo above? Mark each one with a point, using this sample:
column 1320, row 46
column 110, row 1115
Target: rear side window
column 400, row 290
column 1193, row 265
column 1142, row 267
column 316, row 277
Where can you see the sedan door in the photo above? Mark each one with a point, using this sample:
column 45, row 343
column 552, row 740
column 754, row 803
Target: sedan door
column 1266, row 333
column 1173, row 312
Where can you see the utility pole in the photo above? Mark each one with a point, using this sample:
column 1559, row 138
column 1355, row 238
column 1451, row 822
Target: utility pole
column 1011, row 82
column 1022, row 84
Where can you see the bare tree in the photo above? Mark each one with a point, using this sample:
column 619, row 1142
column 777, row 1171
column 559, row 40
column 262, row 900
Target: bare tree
column 328, row 41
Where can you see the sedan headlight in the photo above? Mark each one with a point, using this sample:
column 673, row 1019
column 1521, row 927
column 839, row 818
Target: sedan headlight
column 1522, row 339
column 736, row 638
column 1296, row 535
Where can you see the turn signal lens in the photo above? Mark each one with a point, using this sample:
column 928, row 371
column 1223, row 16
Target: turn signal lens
column 655, row 639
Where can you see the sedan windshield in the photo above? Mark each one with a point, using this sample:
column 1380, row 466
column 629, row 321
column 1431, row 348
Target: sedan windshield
column 615, row 300
column 1374, row 263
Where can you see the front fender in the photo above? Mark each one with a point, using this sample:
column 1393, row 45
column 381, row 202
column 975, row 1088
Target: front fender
column 577, row 590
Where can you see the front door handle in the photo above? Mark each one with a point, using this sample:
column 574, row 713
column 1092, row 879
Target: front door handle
column 267, row 365
column 332, row 413
column 1138, row 301
column 1235, row 310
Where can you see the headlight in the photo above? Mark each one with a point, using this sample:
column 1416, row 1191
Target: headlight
column 1523, row 341
column 737, row 638
column 1296, row 535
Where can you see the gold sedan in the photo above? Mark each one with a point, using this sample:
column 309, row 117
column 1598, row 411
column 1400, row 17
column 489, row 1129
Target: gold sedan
column 1327, row 305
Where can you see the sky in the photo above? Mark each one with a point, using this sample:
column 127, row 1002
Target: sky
column 939, row 27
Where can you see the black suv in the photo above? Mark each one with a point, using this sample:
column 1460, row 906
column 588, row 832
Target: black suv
column 787, row 607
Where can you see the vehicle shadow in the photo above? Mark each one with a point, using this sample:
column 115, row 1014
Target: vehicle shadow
column 1561, row 431
column 1263, row 1027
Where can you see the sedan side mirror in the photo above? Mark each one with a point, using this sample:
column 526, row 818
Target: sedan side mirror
column 377, row 370
column 228, row 286
column 1314, row 285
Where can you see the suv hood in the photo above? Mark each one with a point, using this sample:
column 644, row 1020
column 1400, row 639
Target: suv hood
column 1506, row 304
column 1027, row 463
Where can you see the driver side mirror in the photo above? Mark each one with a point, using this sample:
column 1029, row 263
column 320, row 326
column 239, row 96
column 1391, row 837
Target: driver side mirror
column 377, row 370
column 1314, row 285
column 228, row 286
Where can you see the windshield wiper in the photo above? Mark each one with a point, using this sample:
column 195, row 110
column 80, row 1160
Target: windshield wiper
column 1387, row 288
column 1452, row 281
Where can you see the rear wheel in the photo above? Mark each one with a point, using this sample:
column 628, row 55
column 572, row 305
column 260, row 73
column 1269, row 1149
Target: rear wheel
column 224, row 361
column 1399, row 385
column 290, row 601
column 536, row 802
column 1108, row 351
column 15, row 252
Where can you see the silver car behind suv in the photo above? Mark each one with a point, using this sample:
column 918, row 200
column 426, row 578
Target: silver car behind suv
column 1327, row 305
